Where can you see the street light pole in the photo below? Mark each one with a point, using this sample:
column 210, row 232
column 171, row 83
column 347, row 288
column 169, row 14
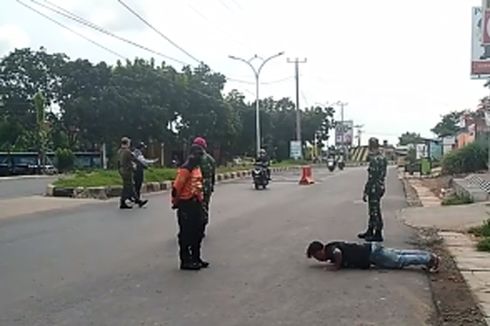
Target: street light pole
column 256, row 72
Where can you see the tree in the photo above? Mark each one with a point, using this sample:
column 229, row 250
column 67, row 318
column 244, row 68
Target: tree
column 448, row 126
column 409, row 138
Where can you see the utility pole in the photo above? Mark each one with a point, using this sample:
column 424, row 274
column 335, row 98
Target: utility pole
column 256, row 72
column 487, row 113
column 342, row 132
column 298, row 112
column 359, row 134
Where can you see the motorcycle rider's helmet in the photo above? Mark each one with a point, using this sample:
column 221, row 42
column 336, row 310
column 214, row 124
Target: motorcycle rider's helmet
column 262, row 152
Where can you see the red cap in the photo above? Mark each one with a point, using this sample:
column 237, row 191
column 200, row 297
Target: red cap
column 201, row 142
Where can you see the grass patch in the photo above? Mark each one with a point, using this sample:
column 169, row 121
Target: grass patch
column 483, row 244
column 483, row 233
column 456, row 200
column 101, row 178
column 482, row 230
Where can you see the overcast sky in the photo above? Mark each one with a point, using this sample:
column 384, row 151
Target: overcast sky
column 398, row 64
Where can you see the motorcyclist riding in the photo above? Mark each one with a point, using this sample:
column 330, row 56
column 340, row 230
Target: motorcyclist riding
column 263, row 160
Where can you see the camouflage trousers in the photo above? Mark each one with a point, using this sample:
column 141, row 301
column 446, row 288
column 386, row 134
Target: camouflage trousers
column 205, row 205
column 375, row 217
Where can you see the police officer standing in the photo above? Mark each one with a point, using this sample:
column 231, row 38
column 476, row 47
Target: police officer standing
column 125, row 166
column 141, row 164
column 187, row 198
column 374, row 191
column 208, row 169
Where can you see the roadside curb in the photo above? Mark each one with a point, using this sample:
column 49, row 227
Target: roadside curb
column 472, row 268
column 107, row 192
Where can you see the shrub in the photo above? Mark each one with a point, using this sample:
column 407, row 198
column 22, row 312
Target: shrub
column 482, row 230
column 456, row 200
column 65, row 159
column 471, row 158
column 483, row 244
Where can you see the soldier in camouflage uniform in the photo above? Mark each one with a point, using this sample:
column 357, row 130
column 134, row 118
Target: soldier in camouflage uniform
column 374, row 191
column 208, row 169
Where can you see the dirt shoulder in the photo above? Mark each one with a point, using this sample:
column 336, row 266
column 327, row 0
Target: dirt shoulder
column 454, row 302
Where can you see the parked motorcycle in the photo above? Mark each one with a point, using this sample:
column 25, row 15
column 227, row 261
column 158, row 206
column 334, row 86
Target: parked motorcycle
column 259, row 175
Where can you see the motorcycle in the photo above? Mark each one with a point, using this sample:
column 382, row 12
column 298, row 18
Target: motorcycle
column 259, row 175
column 341, row 165
column 331, row 164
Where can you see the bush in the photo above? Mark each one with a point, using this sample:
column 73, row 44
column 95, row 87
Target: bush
column 65, row 159
column 483, row 244
column 471, row 158
column 482, row 230
column 456, row 200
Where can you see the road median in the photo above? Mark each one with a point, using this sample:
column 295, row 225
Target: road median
column 107, row 184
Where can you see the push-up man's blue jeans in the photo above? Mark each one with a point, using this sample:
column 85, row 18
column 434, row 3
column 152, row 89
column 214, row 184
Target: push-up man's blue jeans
column 398, row 258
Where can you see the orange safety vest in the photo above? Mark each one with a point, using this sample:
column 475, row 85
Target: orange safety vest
column 188, row 184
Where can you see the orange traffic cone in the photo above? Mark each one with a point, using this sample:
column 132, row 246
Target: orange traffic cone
column 306, row 176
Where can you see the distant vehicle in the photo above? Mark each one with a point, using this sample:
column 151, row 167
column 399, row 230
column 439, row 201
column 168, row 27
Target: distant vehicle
column 259, row 175
column 331, row 164
column 27, row 163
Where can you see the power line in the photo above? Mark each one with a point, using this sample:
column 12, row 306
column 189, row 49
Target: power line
column 70, row 15
column 219, row 29
column 119, row 55
column 147, row 23
column 72, row 30
column 262, row 83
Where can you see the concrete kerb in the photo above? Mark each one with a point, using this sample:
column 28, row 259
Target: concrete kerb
column 115, row 191
column 451, row 229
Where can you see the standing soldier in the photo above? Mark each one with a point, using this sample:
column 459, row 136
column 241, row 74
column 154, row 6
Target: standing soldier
column 208, row 169
column 187, row 198
column 374, row 191
column 125, row 166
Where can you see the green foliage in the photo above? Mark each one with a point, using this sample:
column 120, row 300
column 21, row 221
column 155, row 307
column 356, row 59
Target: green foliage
column 409, row 138
column 456, row 200
column 482, row 230
column 448, row 126
column 65, row 159
column 99, row 103
column 471, row 158
column 483, row 244
column 100, row 178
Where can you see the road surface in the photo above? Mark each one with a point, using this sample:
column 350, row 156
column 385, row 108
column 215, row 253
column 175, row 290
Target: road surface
column 96, row 265
column 21, row 187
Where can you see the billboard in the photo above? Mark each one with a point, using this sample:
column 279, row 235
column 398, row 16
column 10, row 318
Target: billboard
column 295, row 150
column 486, row 23
column 480, row 54
column 348, row 127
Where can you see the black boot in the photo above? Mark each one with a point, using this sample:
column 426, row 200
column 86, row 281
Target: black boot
column 203, row 263
column 189, row 266
column 123, row 205
column 367, row 234
column 186, row 262
column 196, row 257
column 142, row 203
column 377, row 237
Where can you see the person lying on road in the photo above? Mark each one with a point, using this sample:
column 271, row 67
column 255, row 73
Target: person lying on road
column 341, row 254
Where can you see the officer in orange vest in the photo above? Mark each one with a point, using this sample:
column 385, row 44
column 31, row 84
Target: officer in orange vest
column 187, row 198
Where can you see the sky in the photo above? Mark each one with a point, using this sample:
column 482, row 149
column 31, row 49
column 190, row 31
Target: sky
column 399, row 65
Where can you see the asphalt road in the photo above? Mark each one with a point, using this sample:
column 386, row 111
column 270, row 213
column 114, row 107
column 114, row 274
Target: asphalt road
column 23, row 187
column 101, row 266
